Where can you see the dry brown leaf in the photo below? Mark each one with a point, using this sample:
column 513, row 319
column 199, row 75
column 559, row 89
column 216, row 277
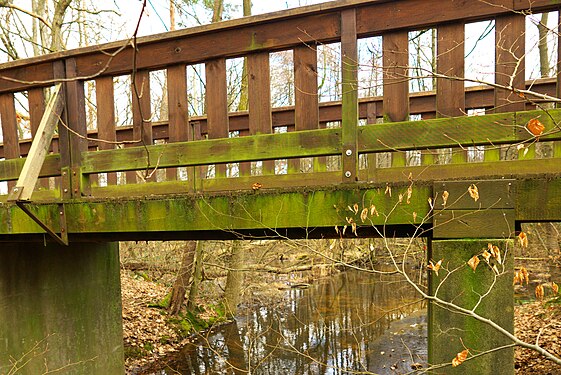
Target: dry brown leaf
column 445, row 196
column 473, row 192
column 409, row 193
column 539, row 292
column 473, row 262
column 373, row 211
column 434, row 267
column 364, row 214
column 388, row 190
column 495, row 252
column 460, row 358
column 486, row 255
column 555, row 287
column 344, row 229
column 353, row 226
column 414, row 216
column 256, row 186
column 336, row 229
column 523, row 239
column 525, row 276
column 535, row 127
column 400, row 198
column 430, row 203
column 355, row 208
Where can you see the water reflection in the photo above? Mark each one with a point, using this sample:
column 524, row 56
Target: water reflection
column 352, row 323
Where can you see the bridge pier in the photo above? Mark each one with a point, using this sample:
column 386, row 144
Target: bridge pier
column 60, row 309
column 476, row 220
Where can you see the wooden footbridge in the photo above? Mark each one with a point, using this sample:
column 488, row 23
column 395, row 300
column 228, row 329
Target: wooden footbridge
column 78, row 187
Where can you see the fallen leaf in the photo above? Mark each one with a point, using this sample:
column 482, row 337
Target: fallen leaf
column 364, row 214
column 473, row 262
column 535, row 127
column 460, row 358
column 523, row 239
column 555, row 287
column 539, row 292
column 445, row 196
column 473, row 192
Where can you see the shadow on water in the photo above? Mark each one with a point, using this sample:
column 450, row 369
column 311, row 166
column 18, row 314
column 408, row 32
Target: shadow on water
column 352, row 322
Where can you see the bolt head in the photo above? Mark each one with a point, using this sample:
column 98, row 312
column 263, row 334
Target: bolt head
column 16, row 190
column 66, row 190
column 349, row 152
column 348, row 174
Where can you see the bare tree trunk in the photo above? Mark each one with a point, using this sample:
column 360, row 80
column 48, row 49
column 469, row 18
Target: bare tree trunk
column 542, row 46
column 217, row 10
column 183, row 277
column 197, row 277
column 242, row 106
column 234, row 280
column 58, row 19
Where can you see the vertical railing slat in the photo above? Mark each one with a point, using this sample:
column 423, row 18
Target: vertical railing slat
column 557, row 144
column 141, row 118
column 76, row 121
column 259, row 98
column 509, row 69
column 178, row 114
column 36, row 99
column 217, row 104
column 396, row 84
column 106, row 130
column 349, row 70
column 9, row 129
column 450, row 92
column 306, row 104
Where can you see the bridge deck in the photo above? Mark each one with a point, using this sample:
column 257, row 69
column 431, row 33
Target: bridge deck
column 286, row 171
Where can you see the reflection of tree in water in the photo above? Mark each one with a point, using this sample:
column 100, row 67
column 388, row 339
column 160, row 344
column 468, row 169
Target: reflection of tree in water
column 340, row 325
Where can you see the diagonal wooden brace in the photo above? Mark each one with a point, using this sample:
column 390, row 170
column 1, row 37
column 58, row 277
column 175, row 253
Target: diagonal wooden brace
column 29, row 175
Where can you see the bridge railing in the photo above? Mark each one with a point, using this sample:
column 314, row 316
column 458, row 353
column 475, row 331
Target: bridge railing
column 198, row 153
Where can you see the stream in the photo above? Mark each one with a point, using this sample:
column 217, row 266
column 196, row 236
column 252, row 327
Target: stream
column 353, row 322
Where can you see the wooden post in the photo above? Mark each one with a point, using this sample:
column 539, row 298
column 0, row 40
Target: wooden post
column 141, row 119
column 259, row 98
column 396, row 82
column 9, row 129
column 509, row 69
column 450, row 92
column 36, row 99
column 461, row 231
column 76, row 121
column 306, row 109
column 217, row 104
column 178, row 114
column 349, row 69
column 105, row 100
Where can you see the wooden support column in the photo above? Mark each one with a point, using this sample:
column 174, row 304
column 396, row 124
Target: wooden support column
column 36, row 99
column 259, row 98
column 557, row 144
column 178, row 114
column 509, row 69
column 217, row 104
column 349, row 70
column 306, row 110
column 106, row 130
column 450, row 93
column 142, row 123
column 76, row 121
column 461, row 231
column 9, row 129
column 396, row 83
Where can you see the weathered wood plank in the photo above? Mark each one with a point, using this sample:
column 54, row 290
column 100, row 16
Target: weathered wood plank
column 217, row 104
column 259, row 97
column 178, row 113
column 474, row 224
column 306, row 108
column 450, row 93
column 396, row 82
column 261, row 147
column 349, row 69
column 510, row 51
column 105, row 101
column 491, row 194
column 142, row 123
column 11, row 169
column 36, row 99
column 10, row 136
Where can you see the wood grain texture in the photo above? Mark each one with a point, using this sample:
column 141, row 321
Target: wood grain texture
column 217, row 104
column 259, row 98
column 10, row 137
column 141, row 122
column 178, row 112
column 105, row 101
column 396, row 82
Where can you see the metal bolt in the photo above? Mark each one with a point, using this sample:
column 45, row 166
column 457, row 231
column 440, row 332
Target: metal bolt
column 75, row 190
column 16, row 190
column 348, row 174
column 74, row 173
column 61, row 230
column 66, row 190
column 349, row 152
column 61, row 213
